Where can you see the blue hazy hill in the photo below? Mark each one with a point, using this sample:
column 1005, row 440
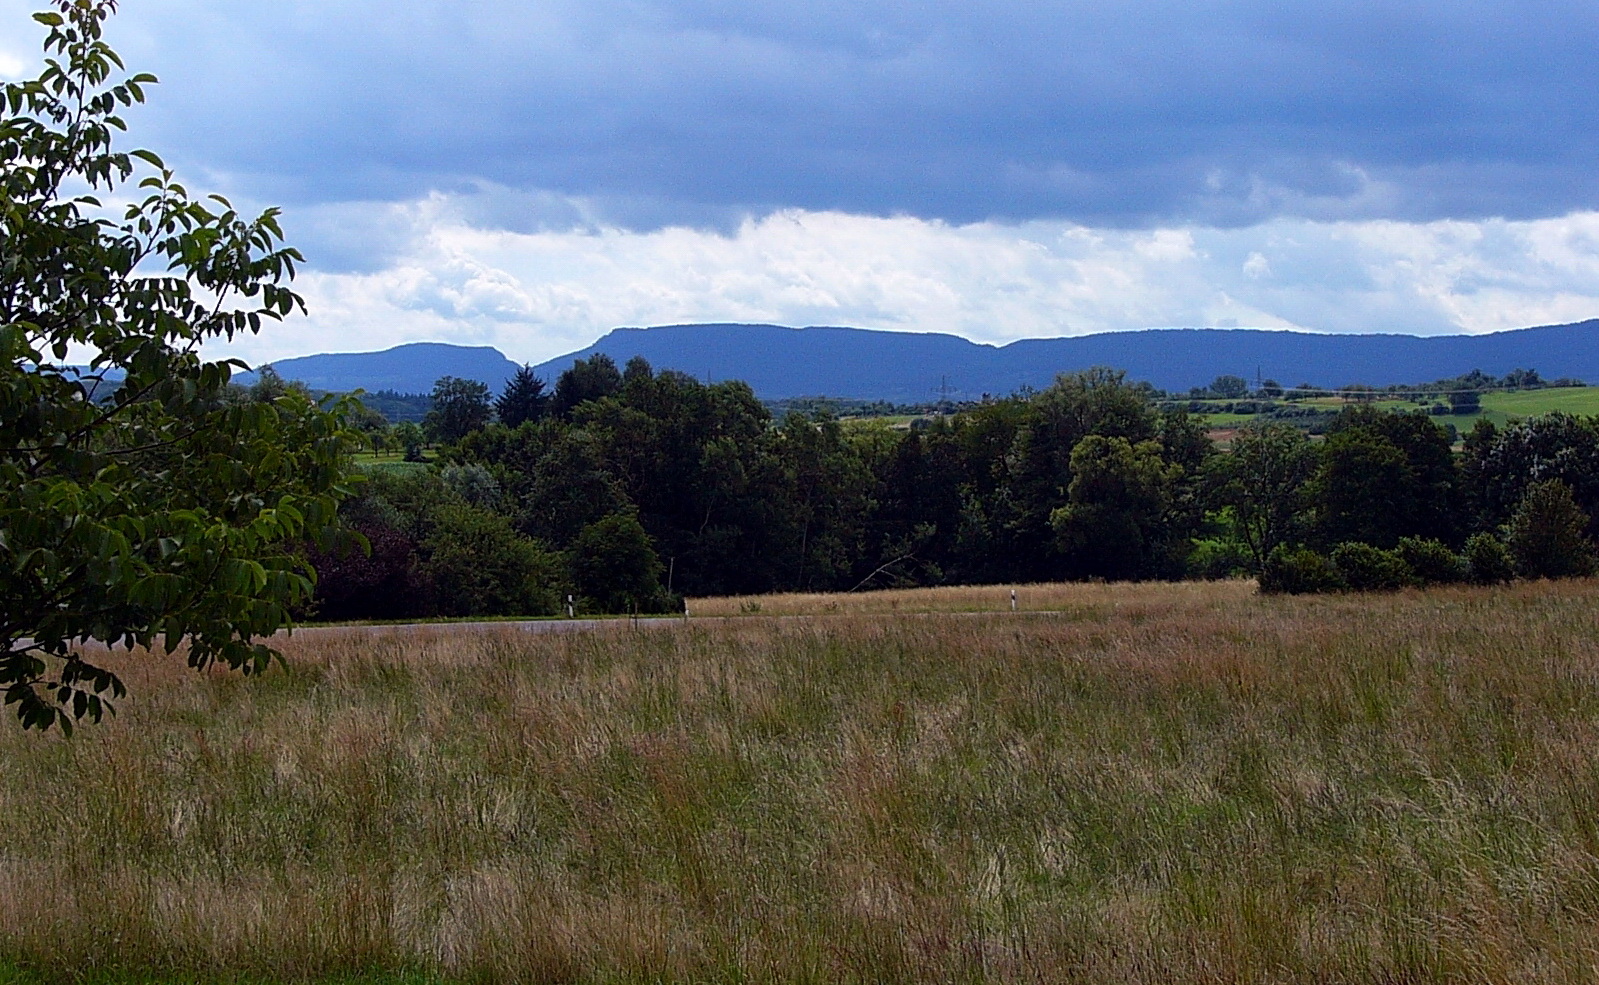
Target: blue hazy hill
column 908, row 367
column 912, row 367
column 410, row 368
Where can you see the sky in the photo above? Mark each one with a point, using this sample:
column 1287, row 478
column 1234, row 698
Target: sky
column 529, row 174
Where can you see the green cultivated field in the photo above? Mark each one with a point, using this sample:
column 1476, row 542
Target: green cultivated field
column 1497, row 407
column 1151, row 783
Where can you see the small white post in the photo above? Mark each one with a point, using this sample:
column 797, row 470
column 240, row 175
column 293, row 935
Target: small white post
column 570, row 612
column 1013, row 600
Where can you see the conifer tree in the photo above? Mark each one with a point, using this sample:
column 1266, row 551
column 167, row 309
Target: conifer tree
column 523, row 399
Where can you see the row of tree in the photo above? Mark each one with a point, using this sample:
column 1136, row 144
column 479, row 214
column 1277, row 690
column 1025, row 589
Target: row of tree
column 628, row 488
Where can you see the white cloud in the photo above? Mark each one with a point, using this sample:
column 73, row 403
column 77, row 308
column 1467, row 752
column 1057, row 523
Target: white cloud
column 538, row 294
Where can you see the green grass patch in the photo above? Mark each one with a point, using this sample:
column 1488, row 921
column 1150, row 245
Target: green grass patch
column 1499, row 408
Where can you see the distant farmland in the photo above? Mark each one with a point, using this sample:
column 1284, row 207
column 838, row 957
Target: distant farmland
column 1498, row 407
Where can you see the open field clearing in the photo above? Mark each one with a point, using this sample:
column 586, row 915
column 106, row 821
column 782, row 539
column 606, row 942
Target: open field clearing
column 1499, row 407
column 1083, row 600
column 1154, row 784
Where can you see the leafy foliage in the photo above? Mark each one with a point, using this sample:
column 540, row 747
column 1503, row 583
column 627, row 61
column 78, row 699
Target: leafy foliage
column 1432, row 562
column 614, row 564
column 459, row 408
column 1298, row 571
column 156, row 508
column 1264, row 482
column 1371, row 569
column 1545, row 536
column 1488, row 561
column 594, row 378
column 478, row 565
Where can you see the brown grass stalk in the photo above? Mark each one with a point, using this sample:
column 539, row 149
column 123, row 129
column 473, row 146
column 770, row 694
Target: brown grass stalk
column 1123, row 784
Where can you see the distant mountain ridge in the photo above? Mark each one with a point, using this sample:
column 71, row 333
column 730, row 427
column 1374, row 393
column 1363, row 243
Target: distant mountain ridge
column 908, row 367
column 410, row 368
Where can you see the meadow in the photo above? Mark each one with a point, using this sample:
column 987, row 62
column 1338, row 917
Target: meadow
column 1120, row 783
column 1500, row 407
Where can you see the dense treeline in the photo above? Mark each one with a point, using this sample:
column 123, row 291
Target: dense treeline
column 628, row 489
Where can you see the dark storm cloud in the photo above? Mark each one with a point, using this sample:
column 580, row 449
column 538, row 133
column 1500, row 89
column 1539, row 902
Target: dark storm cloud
column 657, row 111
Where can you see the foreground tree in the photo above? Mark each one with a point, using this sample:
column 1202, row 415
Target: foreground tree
column 137, row 503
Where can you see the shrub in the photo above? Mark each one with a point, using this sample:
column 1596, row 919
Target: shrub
column 480, row 566
column 1215, row 558
column 1487, row 560
column 1299, row 571
column 1371, row 569
column 380, row 583
column 1545, row 535
column 1431, row 561
column 616, row 568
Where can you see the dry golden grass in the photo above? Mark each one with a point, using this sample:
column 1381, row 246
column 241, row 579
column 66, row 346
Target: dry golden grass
column 1153, row 784
column 1084, row 599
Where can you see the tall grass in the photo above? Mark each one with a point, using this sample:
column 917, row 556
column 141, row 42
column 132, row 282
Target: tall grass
column 1190, row 784
column 1081, row 600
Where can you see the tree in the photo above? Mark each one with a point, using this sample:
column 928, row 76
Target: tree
column 1465, row 402
column 137, row 502
column 269, row 385
column 479, row 566
column 1263, row 481
column 1230, row 387
column 1546, row 535
column 615, row 565
column 1501, row 464
column 1386, row 476
column 1038, row 465
column 594, row 378
column 1114, row 525
column 459, row 408
column 409, row 436
column 524, row 399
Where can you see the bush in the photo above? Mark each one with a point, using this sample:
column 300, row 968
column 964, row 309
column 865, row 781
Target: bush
column 1431, row 561
column 1487, row 560
column 381, row 583
column 1371, row 569
column 616, row 568
column 1546, row 534
column 1214, row 558
column 480, row 566
column 1299, row 571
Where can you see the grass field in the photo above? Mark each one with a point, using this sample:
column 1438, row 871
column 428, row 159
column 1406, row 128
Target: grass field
column 1496, row 407
column 1500, row 407
column 1183, row 783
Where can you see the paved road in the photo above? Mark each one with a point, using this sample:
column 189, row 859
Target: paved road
column 529, row 626
column 585, row 625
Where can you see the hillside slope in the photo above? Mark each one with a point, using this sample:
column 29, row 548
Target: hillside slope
column 912, row 367
column 410, row 368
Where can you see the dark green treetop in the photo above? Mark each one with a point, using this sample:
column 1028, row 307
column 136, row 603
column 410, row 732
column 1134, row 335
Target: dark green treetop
column 459, row 408
column 524, row 399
